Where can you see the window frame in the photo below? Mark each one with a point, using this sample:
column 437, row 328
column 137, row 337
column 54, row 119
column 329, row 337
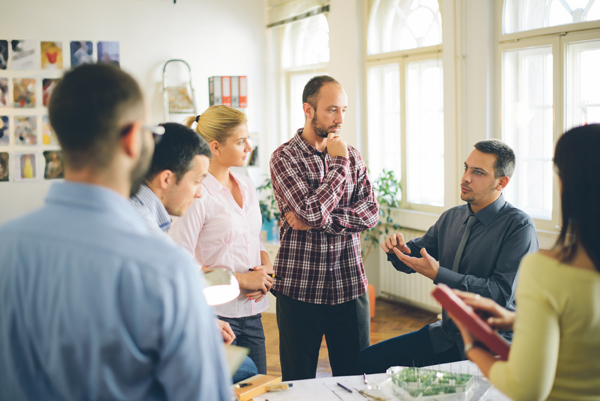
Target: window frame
column 558, row 37
column 402, row 58
column 286, row 130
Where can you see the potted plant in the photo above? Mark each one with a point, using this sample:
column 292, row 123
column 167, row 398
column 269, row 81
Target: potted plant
column 269, row 210
column 386, row 188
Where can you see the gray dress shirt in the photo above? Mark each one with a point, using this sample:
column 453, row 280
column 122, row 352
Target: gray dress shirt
column 501, row 237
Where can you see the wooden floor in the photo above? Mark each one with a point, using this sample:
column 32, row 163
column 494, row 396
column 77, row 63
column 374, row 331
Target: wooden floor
column 391, row 319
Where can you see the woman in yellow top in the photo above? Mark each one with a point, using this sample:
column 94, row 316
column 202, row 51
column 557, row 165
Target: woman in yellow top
column 555, row 353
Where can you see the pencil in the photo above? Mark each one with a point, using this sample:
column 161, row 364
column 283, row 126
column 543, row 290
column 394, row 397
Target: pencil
column 344, row 387
column 276, row 277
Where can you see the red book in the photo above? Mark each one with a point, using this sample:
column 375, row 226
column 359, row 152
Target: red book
column 465, row 314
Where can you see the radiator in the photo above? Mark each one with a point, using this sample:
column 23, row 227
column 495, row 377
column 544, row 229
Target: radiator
column 414, row 289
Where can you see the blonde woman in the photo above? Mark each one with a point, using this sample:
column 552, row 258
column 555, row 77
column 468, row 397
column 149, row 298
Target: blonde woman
column 222, row 230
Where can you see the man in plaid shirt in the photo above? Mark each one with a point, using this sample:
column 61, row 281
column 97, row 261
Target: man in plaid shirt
column 326, row 198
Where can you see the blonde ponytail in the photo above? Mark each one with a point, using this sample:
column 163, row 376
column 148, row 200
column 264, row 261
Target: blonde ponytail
column 217, row 122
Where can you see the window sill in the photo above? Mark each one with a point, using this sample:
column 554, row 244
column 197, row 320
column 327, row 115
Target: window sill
column 414, row 219
column 421, row 221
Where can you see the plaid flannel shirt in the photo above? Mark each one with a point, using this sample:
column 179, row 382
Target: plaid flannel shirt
column 334, row 196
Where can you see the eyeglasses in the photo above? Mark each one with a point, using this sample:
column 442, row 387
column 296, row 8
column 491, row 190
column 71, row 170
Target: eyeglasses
column 157, row 131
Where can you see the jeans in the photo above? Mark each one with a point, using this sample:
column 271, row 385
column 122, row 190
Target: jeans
column 246, row 370
column 249, row 333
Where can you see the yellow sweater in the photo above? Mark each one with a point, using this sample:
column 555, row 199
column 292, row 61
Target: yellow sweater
column 555, row 353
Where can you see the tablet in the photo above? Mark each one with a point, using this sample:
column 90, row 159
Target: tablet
column 465, row 314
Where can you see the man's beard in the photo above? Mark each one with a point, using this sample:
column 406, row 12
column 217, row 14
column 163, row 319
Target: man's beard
column 321, row 132
column 138, row 174
column 471, row 197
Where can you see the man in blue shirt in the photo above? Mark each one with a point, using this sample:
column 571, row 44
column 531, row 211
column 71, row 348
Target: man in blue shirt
column 93, row 307
column 174, row 179
column 475, row 247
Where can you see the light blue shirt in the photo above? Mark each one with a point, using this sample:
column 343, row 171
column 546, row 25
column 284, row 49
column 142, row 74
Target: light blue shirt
column 91, row 307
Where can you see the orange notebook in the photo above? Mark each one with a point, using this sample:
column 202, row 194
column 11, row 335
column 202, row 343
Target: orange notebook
column 465, row 314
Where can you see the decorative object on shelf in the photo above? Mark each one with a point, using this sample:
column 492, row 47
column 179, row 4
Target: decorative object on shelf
column 386, row 188
column 269, row 211
column 178, row 99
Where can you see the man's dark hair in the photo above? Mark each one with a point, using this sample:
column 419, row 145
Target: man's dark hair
column 89, row 109
column 577, row 164
column 310, row 94
column 176, row 150
column 505, row 157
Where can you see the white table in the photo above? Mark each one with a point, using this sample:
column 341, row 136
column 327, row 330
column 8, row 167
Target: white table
column 326, row 389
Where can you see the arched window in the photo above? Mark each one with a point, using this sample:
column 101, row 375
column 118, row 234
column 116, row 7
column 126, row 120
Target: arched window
column 402, row 25
column 525, row 15
column 549, row 84
column 405, row 98
column 305, row 42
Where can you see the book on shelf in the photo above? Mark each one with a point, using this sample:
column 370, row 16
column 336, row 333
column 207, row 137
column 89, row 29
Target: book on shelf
column 228, row 90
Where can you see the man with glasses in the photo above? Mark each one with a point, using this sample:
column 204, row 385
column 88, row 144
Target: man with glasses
column 92, row 306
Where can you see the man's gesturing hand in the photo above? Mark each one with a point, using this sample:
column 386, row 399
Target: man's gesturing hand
column 426, row 265
column 336, row 146
column 395, row 241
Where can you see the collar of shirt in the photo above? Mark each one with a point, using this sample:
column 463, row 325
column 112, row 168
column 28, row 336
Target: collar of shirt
column 95, row 197
column 148, row 199
column 301, row 143
column 488, row 213
column 213, row 186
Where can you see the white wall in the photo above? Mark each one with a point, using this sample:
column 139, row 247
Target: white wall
column 216, row 37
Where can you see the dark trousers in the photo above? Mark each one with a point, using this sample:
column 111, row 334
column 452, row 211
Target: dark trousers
column 412, row 349
column 249, row 333
column 301, row 328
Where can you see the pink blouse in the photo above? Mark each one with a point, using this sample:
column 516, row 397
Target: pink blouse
column 220, row 234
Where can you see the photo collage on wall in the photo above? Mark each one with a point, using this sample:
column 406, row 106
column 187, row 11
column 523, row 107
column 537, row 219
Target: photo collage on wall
column 29, row 72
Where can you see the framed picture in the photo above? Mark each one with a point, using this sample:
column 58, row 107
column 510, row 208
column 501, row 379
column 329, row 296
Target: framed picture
column 81, row 53
column 25, row 167
column 4, row 170
column 24, row 55
column 54, row 165
column 4, row 131
column 52, row 55
column 24, row 93
column 26, row 130
column 108, row 52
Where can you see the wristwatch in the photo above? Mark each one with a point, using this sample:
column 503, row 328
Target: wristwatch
column 469, row 347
